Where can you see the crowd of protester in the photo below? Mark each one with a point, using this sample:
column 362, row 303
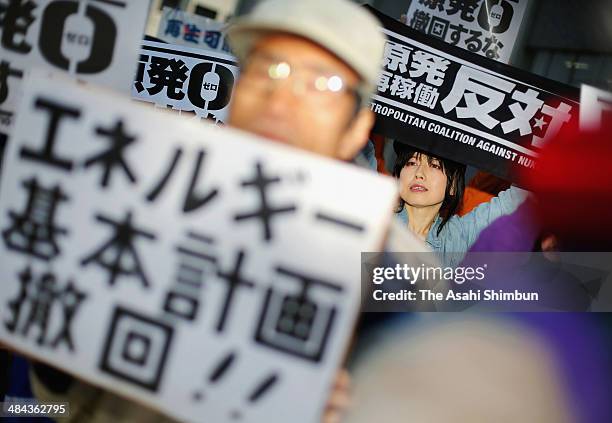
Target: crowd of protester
column 414, row 367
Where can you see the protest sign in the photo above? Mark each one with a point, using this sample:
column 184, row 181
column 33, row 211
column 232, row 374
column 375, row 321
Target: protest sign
column 485, row 27
column 465, row 107
column 594, row 105
column 184, row 28
column 206, row 273
column 95, row 41
column 192, row 81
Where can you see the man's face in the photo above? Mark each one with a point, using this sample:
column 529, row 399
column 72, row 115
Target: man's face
column 289, row 109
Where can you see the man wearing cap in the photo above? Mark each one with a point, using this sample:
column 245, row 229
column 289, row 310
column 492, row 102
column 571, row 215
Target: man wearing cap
column 308, row 71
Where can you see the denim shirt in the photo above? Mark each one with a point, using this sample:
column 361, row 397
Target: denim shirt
column 460, row 232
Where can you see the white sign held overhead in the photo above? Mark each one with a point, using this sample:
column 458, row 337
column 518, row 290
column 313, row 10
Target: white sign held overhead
column 144, row 253
column 95, row 41
column 184, row 28
column 485, row 27
column 192, row 81
column 594, row 104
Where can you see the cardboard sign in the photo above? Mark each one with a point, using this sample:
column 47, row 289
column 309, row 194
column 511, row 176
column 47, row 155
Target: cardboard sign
column 192, row 81
column 485, row 27
column 184, row 28
column 595, row 104
column 95, row 41
column 465, row 107
column 208, row 274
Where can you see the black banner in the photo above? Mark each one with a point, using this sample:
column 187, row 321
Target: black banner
column 465, row 107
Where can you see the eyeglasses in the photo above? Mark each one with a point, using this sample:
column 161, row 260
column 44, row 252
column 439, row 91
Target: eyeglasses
column 264, row 72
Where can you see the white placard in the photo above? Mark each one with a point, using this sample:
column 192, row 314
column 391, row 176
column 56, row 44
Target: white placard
column 96, row 41
column 485, row 27
column 190, row 80
column 204, row 272
column 594, row 102
column 180, row 27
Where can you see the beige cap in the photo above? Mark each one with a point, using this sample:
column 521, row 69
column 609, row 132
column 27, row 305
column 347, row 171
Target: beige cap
column 340, row 26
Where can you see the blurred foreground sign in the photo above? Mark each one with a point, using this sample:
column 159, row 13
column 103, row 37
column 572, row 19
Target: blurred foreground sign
column 192, row 268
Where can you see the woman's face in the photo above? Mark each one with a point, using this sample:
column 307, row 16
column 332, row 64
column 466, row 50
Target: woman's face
column 422, row 184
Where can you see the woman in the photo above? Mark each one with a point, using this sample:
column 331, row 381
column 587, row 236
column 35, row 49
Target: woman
column 431, row 191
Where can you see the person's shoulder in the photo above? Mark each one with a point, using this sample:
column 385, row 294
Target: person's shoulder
column 452, row 237
column 452, row 225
